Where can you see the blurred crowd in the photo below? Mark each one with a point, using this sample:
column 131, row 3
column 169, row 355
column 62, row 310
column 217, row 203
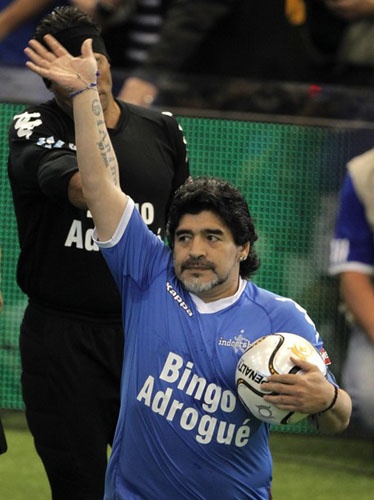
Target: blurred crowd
column 199, row 47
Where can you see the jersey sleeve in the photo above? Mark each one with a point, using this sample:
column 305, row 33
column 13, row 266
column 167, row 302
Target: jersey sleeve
column 40, row 157
column 290, row 317
column 134, row 252
column 352, row 248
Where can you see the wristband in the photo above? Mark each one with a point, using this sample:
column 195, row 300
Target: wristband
column 332, row 404
column 91, row 86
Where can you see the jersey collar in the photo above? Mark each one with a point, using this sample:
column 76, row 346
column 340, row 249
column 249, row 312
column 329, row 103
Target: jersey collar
column 218, row 305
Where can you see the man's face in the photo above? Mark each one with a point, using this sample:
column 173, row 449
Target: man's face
column 104, row 85
column 206, row 258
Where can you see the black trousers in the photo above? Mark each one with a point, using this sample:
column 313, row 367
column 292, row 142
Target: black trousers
column 71, row 371
column 3, row 444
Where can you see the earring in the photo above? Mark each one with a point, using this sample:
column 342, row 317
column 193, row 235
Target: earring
column 243, row 258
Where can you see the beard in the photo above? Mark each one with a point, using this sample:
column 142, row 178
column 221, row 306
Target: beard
column 194, row 284
column 198, row 288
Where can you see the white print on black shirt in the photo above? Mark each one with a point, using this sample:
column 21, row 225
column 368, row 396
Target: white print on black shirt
column 147, row 211
column 82, row 241
column 206, row 427
column 52, row 143
column 75, row 237
column 26, row 122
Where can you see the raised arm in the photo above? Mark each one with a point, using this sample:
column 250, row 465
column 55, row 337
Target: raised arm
column 97, row 161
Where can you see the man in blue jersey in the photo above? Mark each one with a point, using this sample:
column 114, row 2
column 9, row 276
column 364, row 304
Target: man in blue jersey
column 182, row 432
column 352, row 259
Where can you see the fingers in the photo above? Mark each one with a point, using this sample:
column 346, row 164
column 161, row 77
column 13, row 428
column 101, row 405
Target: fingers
column 302, row 363
column 56, row 46
column 40, row 58
column 36, row 59
column 291, row 378
column 284, row 396
column 284, row 403
column 37, row 69
column 41, row 50
column 59, row 50
column 56, row 62
column 86, row 48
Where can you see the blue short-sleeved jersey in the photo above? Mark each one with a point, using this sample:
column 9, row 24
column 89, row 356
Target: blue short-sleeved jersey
column 182, row 431
column 352, row 248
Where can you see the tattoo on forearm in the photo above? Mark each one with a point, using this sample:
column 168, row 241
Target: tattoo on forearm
column 96, row 107
column 104, row 143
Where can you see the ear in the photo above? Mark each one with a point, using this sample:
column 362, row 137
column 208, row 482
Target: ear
column 244, row 251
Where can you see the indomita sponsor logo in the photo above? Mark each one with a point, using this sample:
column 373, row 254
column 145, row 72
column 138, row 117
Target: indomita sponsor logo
column 178, row 299
column 239, row 343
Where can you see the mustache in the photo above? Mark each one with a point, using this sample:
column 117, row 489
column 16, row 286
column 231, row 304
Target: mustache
column 197, row 263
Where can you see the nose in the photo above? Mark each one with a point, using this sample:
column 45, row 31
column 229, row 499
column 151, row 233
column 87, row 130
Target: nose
column 197, row 248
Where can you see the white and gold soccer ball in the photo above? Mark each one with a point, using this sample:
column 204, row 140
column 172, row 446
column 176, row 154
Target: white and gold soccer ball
column 270, row 355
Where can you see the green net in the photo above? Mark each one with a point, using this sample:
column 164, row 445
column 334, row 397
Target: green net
column 290, row 175
column 14, row 301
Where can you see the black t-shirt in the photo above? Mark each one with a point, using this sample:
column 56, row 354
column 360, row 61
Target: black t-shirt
column 60, row 266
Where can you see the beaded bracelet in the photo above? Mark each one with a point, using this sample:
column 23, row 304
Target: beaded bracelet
column 92, row 85
column 332, row 402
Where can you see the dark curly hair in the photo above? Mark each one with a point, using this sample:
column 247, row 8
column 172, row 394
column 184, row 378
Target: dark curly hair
column 62, row 18
column 223, row 199
column 74, row 26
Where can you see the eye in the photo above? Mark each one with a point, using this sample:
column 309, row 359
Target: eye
column 183, row 238
column 212, row 237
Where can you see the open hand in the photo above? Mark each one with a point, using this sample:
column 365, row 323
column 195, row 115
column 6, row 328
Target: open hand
column 307, row 392
column 58, row 65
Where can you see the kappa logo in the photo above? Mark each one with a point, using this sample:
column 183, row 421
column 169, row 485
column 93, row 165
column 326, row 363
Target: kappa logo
column 178, row 299
column 26, row 122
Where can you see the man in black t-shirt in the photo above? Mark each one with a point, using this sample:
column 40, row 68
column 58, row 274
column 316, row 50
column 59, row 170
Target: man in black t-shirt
column 3, row 444
column 71, row 337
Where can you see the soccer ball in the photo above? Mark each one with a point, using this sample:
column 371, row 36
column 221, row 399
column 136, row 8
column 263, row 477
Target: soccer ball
column 270, row 355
